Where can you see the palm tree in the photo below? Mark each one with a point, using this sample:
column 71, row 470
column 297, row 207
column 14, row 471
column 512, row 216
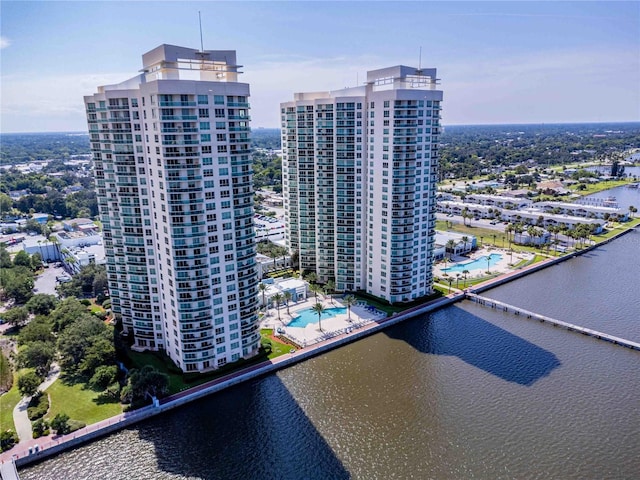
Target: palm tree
column 316, row 289
column 451, row 245
column 465, row 240
column 349, row 301
column 319, row 309
column 450, row 280
column 278, row 298
column 458, row 280
column 465, row 273
column 287, row 298
column 263, row 288
column 465, row 215
column 329, row 288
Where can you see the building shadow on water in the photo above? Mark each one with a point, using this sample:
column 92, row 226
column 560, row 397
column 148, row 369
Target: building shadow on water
column 457, row 332
column 253, row 430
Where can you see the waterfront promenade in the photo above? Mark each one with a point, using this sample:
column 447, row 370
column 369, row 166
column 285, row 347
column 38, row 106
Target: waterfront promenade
column 52, row 445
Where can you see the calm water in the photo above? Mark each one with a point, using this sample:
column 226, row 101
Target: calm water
column 467, row 392
column 480, row 262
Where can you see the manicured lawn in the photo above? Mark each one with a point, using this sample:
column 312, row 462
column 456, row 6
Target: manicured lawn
column 598, row 187
column 277, row 347
column 79, row 402
column 179, row 381
column 8, row 401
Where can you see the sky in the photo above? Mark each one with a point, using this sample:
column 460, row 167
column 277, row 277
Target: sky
column 499, row 62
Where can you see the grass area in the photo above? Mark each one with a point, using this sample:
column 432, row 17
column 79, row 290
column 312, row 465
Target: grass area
column 6, row 373
column 277, row 347
column 8, row 401
column 391, row 309
column 599, row 187
column 179, row 381
column 79, row 402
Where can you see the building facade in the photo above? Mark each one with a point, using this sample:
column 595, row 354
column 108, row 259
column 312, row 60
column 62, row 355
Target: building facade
column 359, row 181
column 174, row 181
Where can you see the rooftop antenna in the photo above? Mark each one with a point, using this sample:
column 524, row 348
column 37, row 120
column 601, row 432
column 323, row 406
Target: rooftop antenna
column 419, row 58
column 200, row 21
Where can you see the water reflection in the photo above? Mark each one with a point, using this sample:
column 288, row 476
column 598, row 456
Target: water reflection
column 239, row 423
column 481, row 344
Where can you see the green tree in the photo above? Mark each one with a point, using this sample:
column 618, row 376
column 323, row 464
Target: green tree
column 319, row 309
column 17, row 283
column 41, row 304
column 16, row 316
column 37, row 330
column 36, row 261
column 329, row 288
column 38, row 355
column 8, row 439
column 5, row 257
column 69, row 310
column 277, row 299
column 100, row 352
column 262, row 287
column 84, row 344
column 104, row 376
column 349, row 301
column 22, row 259
column 287, row 298
column 144, row 382
column 6, row 204
column 28, row 384
column 60, row 424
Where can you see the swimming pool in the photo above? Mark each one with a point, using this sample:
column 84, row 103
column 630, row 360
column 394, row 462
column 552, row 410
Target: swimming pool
column 478, row 263
column 308, row 316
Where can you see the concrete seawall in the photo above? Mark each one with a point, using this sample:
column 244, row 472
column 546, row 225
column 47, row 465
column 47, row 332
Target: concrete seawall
column 50, row 447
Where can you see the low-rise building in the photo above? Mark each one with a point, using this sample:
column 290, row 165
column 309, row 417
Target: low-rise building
column 500, row 201
column 463, row 244
column 580, row 210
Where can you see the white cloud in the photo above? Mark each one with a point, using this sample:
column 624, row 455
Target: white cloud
column 4, row 42
column 550, row 86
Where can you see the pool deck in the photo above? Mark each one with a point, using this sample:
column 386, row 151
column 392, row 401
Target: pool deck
column 310, row 334
column 501, row 266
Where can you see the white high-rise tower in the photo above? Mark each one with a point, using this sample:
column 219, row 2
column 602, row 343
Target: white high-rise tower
column 174, row 181
column 359, row 179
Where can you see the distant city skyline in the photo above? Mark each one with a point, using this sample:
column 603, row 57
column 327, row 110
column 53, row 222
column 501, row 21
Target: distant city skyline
column 500, row 62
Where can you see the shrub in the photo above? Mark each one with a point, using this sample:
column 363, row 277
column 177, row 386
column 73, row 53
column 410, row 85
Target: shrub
column 106, row 304
column 75, row 425
column 101, row 315
column 8, row 439
column 40, row 428
column 28, row 384
column 38, row 406
column 60, row 423
column 85, row 302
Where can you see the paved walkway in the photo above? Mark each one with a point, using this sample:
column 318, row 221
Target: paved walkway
column 20, row 418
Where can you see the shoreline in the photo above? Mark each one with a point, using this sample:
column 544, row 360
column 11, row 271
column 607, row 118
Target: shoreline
column 52, row 445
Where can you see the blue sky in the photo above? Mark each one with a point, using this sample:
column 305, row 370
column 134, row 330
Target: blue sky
column 500, row 62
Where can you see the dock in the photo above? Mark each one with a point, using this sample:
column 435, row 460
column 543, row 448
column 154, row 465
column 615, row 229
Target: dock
column 8, row 471
column 489, row 302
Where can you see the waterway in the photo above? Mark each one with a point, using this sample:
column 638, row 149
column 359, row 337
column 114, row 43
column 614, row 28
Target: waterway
column 467, row 392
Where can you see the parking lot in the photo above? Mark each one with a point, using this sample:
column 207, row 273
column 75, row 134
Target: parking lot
column 46, row 281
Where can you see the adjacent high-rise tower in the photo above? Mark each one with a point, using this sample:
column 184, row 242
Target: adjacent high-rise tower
column 174, row 181
column 359, row 177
